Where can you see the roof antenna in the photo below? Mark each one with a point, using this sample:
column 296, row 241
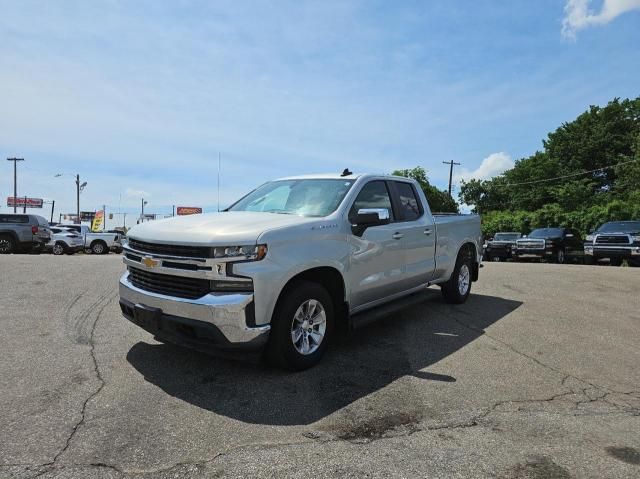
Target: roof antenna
column 346, row 172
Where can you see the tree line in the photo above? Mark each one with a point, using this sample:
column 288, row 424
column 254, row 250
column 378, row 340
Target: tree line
column 587, row 173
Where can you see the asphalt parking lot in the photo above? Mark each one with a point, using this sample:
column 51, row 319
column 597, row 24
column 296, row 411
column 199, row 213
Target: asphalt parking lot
column 536, row 376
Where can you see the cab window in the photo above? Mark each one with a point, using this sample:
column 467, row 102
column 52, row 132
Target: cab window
column 373, row 195
column 410, row 207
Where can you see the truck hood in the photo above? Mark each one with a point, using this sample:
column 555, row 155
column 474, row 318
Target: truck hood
column 232, row 228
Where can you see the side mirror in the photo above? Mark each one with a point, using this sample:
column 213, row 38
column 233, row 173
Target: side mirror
column 372, row 217
column 367, row 217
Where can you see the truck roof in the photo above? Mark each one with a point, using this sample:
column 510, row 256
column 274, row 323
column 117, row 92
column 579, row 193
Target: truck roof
column 338, row 176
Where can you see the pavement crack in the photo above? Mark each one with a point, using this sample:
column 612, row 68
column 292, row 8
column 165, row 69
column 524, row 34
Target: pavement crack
column 96, row 368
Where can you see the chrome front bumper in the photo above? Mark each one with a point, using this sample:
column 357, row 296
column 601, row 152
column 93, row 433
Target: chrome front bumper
column 227, row 312
column 612, row 249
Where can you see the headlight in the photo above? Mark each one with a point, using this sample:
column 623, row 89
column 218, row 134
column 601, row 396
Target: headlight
column 589, row 238
column 241, row 253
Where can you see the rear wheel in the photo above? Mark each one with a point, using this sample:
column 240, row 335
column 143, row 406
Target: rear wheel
column 58, row 249
column 7, row 244
column 457, row 289
column 99, row 247
column 302, row 326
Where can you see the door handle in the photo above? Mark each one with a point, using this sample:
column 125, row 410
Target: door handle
column 397, row 236
column 427, row 231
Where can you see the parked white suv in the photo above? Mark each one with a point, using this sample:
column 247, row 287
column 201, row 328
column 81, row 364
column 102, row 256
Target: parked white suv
column 291, row 260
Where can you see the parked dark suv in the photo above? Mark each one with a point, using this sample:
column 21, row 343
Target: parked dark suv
column 499, row 247
column 616, row 240
column 23, row 233
column 554, row 244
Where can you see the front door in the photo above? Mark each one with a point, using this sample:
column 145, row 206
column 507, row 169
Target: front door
column 377, row 257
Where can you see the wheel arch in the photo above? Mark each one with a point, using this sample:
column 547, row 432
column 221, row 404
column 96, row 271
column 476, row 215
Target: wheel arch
column 328, row 277
column 469, row 248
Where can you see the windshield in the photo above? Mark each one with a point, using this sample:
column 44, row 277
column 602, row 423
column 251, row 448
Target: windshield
column 620, row 227
column 313, row 197
column 506, row 236
column 546, row 233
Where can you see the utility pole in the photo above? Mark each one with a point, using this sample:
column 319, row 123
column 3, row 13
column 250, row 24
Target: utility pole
column 24, row 209
column 174, row 210
column 219, row 161
column 53, row 205
column 15, row 182
column 104, row 216
column 450, row 163
column 78, row 199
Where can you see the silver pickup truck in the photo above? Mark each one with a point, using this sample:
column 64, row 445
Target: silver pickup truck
column 282, row 268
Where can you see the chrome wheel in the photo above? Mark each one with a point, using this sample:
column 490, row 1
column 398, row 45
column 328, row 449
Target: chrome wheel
column 58, row 249
column 464, row 279
column 308, row 326
column 98, row 248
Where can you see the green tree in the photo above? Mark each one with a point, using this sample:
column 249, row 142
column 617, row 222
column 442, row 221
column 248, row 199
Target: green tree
column 439, row 201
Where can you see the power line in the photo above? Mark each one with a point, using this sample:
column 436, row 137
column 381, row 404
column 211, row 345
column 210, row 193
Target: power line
column 570, row 175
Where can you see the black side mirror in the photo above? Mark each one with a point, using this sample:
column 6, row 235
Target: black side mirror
column 367, row 217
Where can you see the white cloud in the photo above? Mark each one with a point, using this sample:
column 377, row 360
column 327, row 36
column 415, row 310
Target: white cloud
column 491, row 166
column 578, row 15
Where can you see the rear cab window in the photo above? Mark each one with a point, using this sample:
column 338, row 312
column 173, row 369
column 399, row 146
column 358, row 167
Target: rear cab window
column 22, row 219
column 410, row 207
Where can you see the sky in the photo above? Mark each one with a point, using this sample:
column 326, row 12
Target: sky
column 140, row 97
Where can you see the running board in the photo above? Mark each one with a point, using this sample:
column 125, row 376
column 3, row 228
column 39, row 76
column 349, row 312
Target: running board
column 377, row 313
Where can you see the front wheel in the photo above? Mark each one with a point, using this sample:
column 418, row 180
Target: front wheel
column 58, row 249
column 457, row 289
column 560, row 256
column 302, row 326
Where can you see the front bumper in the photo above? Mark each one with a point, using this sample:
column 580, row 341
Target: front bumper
column 218, row 320
column 612, row 251
column 532, row 253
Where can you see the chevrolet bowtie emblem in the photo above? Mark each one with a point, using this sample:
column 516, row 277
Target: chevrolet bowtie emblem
column 150, row 262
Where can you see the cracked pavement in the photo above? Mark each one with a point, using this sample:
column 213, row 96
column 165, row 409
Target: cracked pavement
column 536, row 376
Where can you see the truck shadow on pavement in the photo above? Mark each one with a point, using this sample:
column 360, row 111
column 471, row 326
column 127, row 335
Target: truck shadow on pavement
column 356, row 366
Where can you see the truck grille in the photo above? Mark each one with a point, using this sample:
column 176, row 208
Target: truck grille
column 530, row 244
column 612, row 239
column 171, row 250
column 179, row 286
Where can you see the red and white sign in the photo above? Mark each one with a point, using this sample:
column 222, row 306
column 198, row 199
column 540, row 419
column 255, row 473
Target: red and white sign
column 188, row 210
column 31, row 202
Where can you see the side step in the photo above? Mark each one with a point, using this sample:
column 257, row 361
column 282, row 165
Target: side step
column 374, row 314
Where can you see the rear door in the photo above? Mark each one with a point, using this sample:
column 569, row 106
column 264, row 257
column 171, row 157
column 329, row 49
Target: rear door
column 417, row 228
column 377, row 257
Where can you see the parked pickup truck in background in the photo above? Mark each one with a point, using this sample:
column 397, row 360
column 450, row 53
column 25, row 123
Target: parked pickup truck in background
column 554, row 244
column 294, row 259
column 27, row 233
column 617, row 240
column 499, row 247
column 98, row 243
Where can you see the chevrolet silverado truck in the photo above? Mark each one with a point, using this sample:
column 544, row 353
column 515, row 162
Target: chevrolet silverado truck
column 617, row 241
column 553, row 244
column 499, row 247
column 98, row 243
column 282, row 268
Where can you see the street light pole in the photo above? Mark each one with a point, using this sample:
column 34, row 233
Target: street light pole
column 15, row 182
column 78, row 198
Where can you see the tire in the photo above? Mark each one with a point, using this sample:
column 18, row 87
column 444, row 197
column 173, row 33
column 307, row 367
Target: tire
column 290, row 319
column 59, row 249
column 99, row 247
column 7, row 244
column 561, row 256
column 457, row 289
column 615, row 261
column 496, row 259
column 634, row 263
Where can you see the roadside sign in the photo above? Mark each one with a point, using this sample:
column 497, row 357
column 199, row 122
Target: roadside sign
column 188, row 210
column 20, row 202
column 87, row 215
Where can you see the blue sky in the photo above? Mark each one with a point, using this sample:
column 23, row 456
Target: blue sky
column 139, row 97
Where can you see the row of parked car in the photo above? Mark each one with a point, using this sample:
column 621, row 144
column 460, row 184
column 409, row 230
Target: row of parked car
column 33, row 234
column 616, row 241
